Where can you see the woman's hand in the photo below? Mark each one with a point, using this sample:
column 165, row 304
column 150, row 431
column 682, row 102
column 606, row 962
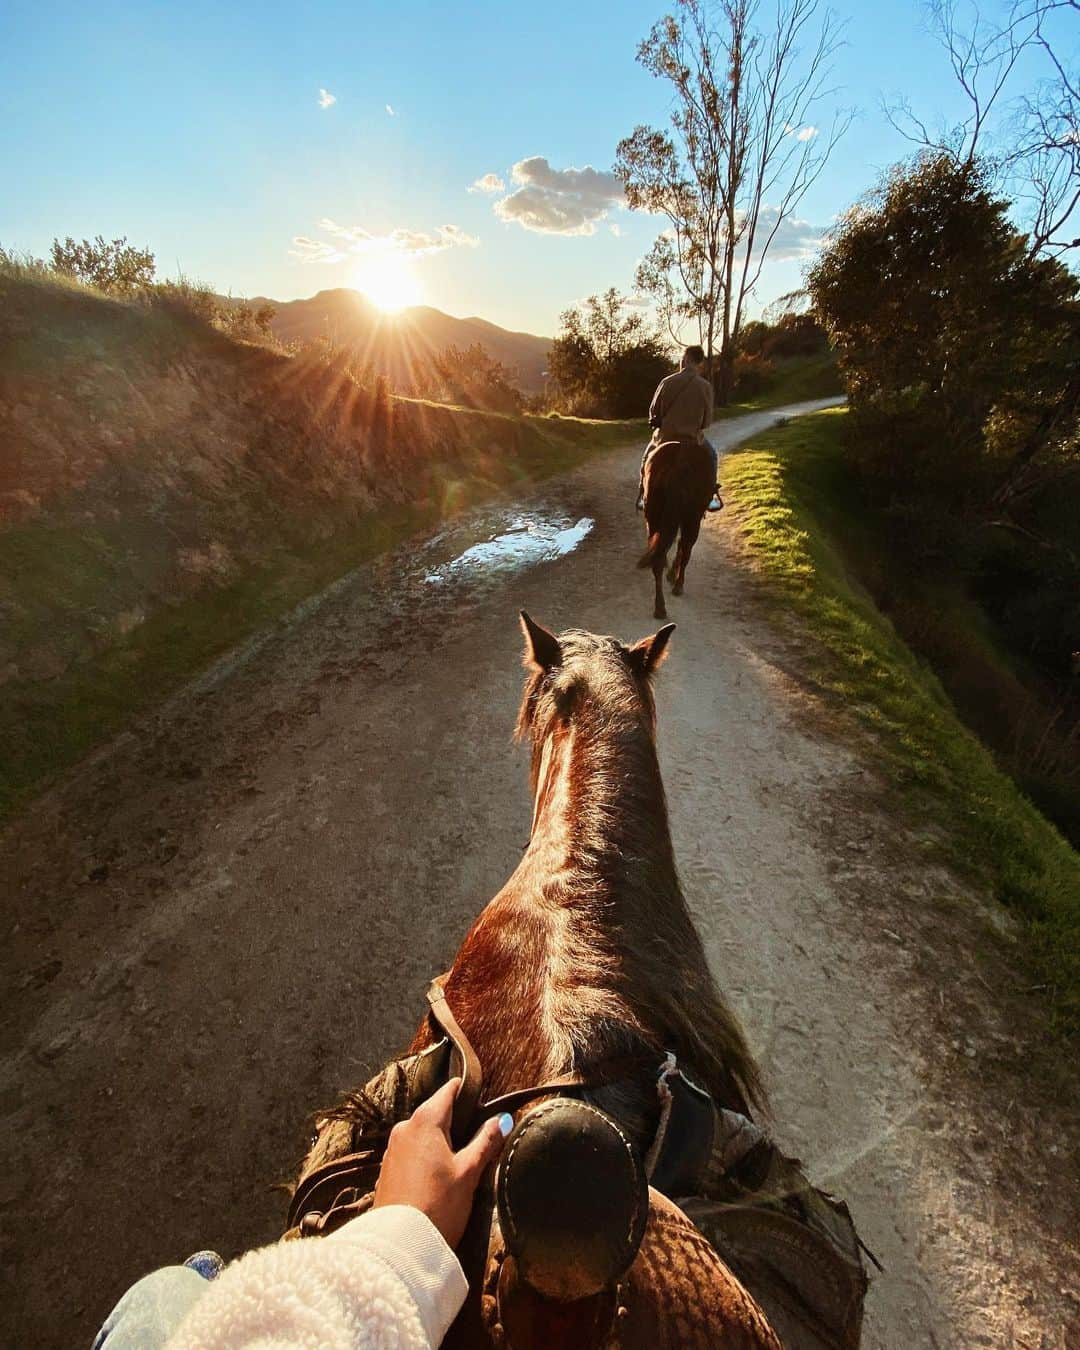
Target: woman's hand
column 420, row 1167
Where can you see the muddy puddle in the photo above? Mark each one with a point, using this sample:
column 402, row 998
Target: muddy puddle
column 515, row 542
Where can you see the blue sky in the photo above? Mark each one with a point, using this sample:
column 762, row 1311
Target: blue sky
column 197, row 129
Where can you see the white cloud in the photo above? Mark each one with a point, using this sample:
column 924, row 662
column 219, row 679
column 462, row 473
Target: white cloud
column 326, row 99
column 806, row 133
column 616, row 230
column 350, row 240
column 390, row 110
column 559, row 201
column 794, row 238
column 491, row 182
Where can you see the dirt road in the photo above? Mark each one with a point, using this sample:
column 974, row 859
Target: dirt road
column 232, row 913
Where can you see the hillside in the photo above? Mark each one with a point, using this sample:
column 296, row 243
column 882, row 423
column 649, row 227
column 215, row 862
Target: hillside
column 399, row 345
column 164, row 490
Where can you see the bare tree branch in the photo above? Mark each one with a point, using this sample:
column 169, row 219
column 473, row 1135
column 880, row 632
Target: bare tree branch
column 742, row 154
column 1032, row 139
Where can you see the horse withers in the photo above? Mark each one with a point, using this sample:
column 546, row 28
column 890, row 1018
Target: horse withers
column 679, row 481
column 582, row 1002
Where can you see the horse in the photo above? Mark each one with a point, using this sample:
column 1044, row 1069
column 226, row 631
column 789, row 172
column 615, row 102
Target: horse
column 582, row 976
column 679, row 482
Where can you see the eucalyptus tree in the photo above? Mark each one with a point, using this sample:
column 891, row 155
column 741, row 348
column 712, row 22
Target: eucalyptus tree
column 741, row 151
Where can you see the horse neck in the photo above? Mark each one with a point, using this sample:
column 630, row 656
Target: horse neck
column 540, row 981
column 600, row 811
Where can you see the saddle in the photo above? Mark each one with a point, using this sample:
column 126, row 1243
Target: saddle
column 713, row 1237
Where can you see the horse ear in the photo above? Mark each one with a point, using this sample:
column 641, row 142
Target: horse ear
column 542, row 650
column 647, row 654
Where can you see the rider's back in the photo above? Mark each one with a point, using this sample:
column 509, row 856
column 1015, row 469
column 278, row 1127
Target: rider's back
column 682, row 406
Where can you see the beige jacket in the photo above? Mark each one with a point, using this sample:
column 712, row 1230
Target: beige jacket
column 684, row 404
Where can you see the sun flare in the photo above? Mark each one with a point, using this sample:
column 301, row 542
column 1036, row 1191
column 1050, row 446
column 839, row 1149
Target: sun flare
column 387, row 279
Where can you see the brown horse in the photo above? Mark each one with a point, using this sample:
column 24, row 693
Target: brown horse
column 679, row 483
column 586, row 965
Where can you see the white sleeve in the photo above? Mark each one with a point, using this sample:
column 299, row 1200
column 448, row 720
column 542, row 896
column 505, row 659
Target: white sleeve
column 384, row 1281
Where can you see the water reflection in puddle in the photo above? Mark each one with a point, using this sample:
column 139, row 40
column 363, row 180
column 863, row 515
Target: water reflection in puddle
column 525, row 540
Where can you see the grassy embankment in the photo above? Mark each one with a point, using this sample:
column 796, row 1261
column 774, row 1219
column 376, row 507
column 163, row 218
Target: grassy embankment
column 48, row 724
column 808, row 539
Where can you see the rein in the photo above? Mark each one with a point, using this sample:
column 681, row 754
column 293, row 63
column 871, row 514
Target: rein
column 465, row 1063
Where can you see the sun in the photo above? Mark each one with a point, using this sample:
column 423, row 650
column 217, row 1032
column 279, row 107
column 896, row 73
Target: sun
column 387, row 279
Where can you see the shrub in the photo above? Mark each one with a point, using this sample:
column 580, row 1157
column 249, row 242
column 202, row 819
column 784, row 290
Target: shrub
column 115, row 267
column 469, row 376
column 752, row 374
column 604, row 364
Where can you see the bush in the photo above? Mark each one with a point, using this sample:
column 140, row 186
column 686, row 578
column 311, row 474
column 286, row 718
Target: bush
column 115, row 267
column 470, row 377
column 752, row 374
column 604, row 364
column 186, row 300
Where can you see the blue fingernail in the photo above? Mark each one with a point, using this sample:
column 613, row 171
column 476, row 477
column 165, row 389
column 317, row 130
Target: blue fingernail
column 506, row 1123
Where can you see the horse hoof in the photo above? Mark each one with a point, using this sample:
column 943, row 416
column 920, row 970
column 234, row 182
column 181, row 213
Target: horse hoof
column 659, row 613
column 677, row 588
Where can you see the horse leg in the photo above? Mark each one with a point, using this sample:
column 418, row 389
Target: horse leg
column 678, row 570
column 687, row 540
column 660, row 611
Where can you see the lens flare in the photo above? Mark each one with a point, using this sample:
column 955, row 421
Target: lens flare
column 388, row 281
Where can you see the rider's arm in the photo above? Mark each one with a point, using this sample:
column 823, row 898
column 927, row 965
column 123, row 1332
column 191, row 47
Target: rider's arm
column 389, row 1272
column 656, row 407
column 386, row 1277
column 707, row 412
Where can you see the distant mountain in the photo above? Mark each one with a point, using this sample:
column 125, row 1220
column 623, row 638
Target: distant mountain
column 402, row 344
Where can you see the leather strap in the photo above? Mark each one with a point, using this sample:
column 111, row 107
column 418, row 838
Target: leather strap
column 321, row 1187
column 464, row 1063
column 509, row 1100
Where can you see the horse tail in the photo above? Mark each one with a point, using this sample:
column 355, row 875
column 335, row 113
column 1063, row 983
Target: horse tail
column 656, row 548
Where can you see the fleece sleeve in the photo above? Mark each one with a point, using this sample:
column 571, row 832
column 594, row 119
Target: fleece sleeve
column 384, row 1281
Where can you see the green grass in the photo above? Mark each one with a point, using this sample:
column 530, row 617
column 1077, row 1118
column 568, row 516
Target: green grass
column 797, row 381
column 797, row 513
column 60, row 569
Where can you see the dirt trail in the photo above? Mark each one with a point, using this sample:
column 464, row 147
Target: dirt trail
column 232, row 912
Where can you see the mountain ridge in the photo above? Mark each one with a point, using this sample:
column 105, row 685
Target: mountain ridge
column 403, row 345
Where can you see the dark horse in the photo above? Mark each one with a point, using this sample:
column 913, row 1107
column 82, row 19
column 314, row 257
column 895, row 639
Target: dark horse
column 679, row 482
column 586, row 967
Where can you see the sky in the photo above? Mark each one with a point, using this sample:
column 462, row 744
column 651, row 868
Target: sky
column 457, row 156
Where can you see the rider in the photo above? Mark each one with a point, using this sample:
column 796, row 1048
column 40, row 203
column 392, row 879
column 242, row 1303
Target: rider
column 387, row 1277
column 681, row 409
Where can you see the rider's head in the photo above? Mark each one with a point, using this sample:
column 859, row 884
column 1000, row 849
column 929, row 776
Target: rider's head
column 693, row 356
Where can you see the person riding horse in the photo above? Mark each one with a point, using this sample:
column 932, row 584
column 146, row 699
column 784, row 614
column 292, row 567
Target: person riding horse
column 681, row 409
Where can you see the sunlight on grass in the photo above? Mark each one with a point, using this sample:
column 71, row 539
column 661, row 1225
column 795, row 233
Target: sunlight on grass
column 780, row 485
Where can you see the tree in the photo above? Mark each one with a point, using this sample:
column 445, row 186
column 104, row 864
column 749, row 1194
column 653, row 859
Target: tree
column 244, row 321
column 741, row 155
column 605, row 362
column 961, row 350
column 470, row 376
column 1029, row 138
column 116, row 267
